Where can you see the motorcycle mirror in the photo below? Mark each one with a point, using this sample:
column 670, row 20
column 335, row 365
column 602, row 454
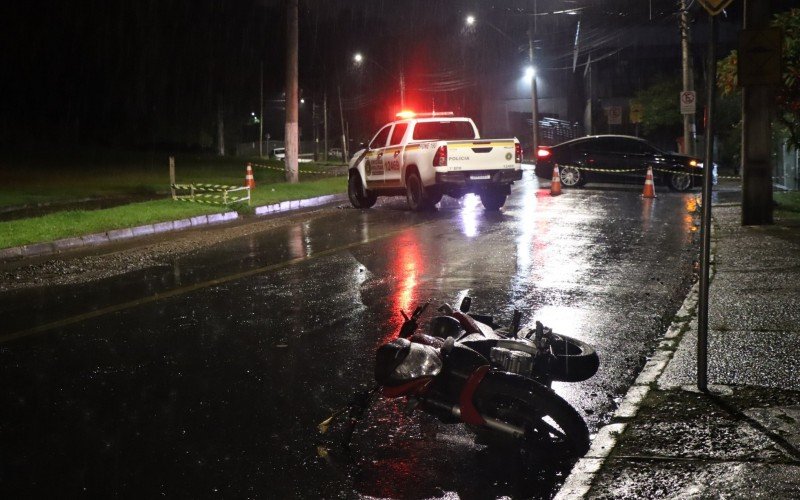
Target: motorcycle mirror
column 466, row 302
column 539, row 330
column 515, row 323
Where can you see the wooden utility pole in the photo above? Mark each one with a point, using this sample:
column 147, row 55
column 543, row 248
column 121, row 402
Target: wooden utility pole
column 220, row 128
column 314, row 128
column 534, row 97
column 325, row 124
column 292, row 93
column 757, row 106
column 341, row 118
column 261, row 113
column 688, row 119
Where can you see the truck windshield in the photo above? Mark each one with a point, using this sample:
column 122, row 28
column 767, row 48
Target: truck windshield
column 443, row 131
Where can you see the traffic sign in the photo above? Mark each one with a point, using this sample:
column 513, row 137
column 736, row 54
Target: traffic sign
column 714, row 7
column 615, row 115
column 636, row 112
column 688, row 102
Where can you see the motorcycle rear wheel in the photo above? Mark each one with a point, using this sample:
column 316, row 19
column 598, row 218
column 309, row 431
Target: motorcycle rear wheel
column 574, row 360
column 548, row 420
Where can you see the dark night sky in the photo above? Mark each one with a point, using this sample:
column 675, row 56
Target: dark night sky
column 145, row 72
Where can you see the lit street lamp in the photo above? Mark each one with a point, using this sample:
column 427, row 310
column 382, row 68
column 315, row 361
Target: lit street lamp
column 358, row 58
column 530, row 74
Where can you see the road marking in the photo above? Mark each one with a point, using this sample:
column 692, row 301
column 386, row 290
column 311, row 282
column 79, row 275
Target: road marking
column 197, row 286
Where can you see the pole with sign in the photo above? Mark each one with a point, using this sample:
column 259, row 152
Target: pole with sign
column 688, row 102
column 713, row 7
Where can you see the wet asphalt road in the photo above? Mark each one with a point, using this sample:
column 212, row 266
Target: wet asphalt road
column 208, row 378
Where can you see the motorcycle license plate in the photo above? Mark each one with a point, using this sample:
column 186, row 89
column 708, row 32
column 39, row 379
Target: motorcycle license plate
column 480, row 177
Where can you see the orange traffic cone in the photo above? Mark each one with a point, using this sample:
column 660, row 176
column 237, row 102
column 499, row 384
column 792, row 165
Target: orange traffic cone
column 649, row 188
column 249, row 180
column 555, row 185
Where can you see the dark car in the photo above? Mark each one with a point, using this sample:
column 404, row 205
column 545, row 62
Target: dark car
column 617, row 158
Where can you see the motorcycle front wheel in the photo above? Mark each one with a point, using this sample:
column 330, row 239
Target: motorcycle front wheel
column 547, row 420
column 573, row 360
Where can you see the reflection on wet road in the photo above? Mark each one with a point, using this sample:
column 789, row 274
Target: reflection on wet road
column 208, row 377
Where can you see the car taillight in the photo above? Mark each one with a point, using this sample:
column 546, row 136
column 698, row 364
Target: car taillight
column 517, row 153
column 542, row 152
column 440, row 158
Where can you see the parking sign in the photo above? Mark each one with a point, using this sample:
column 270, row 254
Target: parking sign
column 688, row 102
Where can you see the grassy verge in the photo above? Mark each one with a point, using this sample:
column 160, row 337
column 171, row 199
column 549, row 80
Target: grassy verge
column 48, row 178
column 788, row 204
column 66, row 224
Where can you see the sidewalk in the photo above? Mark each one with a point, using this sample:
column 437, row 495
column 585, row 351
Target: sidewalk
column 742, row 439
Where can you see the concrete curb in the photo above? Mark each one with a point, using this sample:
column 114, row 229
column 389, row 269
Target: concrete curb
column 53, row 247
column 580, row 479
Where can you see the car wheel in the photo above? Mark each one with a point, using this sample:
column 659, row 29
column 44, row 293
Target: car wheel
column 359, row 197
column 418, row 199
column 493, row 198
column 680, row 182
column 572, row 177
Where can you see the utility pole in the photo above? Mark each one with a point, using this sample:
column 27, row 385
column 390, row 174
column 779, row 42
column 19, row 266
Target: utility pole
column 220, row 127
column 757, row 106
column 534, row 97
column 261, row 113
column 402, row 90
column 341, row 118
column 588, row 72
column 314, row 128
column 705, row 220
column 292, row 97
column 688, row 120
column 325, row 124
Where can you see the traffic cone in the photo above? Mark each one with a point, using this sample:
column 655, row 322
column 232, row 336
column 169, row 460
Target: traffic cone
column 649, row 188
column 555, row 185
column 249, row 180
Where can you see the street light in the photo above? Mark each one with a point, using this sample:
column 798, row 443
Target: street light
column 470, row 20
column 358, row 58
column 530, row 72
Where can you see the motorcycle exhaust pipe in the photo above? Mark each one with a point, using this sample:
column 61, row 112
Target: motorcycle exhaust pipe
column 491, row 423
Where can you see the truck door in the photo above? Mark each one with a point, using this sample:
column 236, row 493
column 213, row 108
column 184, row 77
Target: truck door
column 373, row 161
column 393, row 156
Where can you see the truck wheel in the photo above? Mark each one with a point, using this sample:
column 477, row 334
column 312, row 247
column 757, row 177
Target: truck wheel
column 493, row 199
column 434, row 194
column 359, row 197
column 417, row 198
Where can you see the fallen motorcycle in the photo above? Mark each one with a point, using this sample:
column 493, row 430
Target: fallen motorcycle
column 497, row 381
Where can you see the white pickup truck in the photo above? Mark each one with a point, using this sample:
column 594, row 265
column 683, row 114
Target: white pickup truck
column 425, row 157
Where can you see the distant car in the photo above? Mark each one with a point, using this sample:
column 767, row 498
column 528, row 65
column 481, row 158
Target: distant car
column 335, row 153
column 280, row 154
column 617, row 158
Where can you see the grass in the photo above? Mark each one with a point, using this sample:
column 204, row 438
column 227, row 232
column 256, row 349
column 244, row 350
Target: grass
column 38, row 181
column 70, row 223
column 788, row 204
column 46, row 178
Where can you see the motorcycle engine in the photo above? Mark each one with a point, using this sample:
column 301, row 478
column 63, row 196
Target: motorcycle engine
column 517, row 362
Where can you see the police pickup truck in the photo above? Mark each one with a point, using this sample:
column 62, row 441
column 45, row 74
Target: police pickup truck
column 424, row 157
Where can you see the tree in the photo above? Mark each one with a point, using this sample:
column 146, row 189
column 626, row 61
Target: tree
column 788, row 92
column 660, row 111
